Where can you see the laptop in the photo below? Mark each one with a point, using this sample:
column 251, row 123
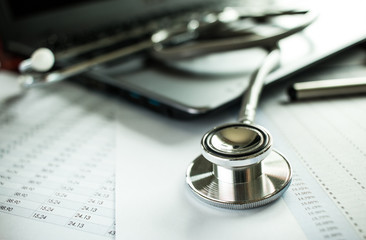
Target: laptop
column 185, row 88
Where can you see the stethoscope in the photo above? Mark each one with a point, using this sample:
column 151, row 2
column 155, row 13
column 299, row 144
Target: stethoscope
column 238, row 168
column 211, row 32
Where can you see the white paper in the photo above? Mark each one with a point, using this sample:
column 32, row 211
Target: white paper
column 57, row 149
column 327, row 137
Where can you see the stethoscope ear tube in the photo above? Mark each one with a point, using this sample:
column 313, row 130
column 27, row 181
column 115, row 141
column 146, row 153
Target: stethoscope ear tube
column 201, row 47
column 177, row 42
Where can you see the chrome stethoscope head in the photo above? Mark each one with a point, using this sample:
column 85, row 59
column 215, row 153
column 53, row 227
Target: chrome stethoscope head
column 238, row 168
column 236, row 145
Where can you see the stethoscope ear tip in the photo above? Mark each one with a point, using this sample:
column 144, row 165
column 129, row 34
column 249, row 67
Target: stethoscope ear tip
column 41, row 60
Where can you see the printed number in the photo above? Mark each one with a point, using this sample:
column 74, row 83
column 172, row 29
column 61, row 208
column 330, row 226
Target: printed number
column 54, row 201
column 76, row 224
column 89, row 209
column 67, row 188
column 82, row 216
column 112, row 232
column 60, row 194
column 40, row 216
column 14, row 201
column 103, row 195
column 19, row 194
column 6, row 208
column 95, row 201
column 28, row 188
column 34, row 182
column 47, row 208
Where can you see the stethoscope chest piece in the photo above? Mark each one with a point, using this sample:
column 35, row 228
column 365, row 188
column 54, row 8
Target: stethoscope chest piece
column 238, row 168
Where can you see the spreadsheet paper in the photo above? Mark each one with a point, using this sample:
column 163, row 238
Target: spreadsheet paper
column 57, row 165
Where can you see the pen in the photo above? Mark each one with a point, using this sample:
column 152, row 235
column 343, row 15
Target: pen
column 327, row 88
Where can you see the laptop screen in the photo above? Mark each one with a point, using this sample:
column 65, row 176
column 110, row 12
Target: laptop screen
column 20, row 9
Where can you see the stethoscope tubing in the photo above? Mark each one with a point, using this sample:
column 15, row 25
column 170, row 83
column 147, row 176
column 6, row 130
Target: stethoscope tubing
column 156, row 43
column 232, row 43
column 250, row 98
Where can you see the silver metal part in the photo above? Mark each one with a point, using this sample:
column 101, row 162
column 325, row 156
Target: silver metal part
column 238, row 168
column 236, row 145
column 327, row 88
column 233, row 188
column 218, row 40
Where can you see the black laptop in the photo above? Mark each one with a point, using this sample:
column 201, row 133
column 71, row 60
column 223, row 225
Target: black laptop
column 78, row 29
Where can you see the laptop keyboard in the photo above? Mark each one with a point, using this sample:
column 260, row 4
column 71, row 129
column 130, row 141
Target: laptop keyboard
column 67, row 47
